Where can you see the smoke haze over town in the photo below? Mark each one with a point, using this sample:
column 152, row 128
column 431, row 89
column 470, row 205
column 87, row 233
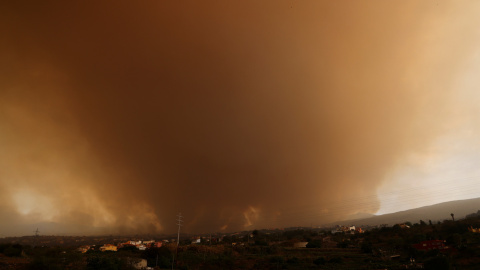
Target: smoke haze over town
column 116, row 116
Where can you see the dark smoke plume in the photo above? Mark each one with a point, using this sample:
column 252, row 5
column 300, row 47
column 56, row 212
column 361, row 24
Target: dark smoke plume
column 115, row 116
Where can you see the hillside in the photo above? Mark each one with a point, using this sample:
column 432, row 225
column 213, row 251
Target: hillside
column 436, row 212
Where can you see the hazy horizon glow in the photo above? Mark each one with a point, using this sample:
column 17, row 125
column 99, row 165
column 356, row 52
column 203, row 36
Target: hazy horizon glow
column 114, row 117
column 449, row 168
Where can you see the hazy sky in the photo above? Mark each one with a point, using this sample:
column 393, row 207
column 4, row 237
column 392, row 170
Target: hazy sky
column 117, row 115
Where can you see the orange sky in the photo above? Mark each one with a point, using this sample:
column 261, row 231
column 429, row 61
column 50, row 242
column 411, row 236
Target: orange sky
column 116, row 116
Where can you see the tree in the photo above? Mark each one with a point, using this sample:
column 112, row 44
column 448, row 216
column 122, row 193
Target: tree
column 453, row 217
column 161, row 256
column 320, row 261
column 314, row 244
column 13, row 251
column 261, row 242
column 343, row 244
column 438, row 263
column 336, row 260
column 38, row 263
column 105, row 263
column 455, row 239
column 367, row 247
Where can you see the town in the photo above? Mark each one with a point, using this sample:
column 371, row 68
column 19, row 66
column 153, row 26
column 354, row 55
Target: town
column 448, row 244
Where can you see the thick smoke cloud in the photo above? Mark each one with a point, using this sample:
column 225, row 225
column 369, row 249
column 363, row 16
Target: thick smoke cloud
column 117, row 116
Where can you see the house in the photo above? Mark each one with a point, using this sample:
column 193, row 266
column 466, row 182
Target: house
column 196, row 240
column 430, row 244
column 138, row 263
column 108, row 247
column 300, row 244
column 129, row 243
column 473, row 230
column 83, row 249
column 126, row 244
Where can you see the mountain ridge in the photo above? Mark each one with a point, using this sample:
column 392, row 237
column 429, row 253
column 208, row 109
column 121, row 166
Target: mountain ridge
column 435, row 212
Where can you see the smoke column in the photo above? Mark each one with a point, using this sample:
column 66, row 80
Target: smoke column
column 116, row 116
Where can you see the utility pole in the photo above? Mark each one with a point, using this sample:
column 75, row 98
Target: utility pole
column 36, row 237
column 179, row 223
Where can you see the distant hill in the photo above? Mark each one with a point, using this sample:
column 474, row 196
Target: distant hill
column 436, row 212
column 51, row 228
column 359, row 216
